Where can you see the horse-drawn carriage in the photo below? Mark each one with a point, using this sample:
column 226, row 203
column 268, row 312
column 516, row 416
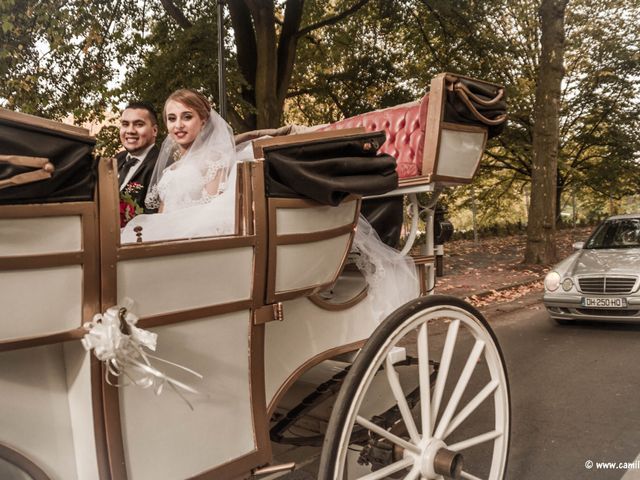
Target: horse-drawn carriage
column 274, row 317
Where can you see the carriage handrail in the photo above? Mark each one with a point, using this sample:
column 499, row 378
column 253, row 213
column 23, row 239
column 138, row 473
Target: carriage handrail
column 44, row 123
column 44, row 166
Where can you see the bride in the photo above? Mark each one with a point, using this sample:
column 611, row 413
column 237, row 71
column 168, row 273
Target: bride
column 192, row 187
column 195, row 167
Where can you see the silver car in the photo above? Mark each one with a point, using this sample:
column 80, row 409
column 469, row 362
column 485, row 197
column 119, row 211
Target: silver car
column 601, row 280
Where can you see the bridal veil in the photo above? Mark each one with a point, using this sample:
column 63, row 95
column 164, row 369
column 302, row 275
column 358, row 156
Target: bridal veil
column 189, row 210
column 212, row 153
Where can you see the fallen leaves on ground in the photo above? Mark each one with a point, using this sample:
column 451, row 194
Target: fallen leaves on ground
column 495, row 262
column 502, row 296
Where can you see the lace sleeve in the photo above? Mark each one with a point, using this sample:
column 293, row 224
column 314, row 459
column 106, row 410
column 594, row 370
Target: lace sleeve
column 215, row 170
column 152, row 201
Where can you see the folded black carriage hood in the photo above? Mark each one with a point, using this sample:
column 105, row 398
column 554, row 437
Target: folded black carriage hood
column 328, row 170
column 68, row 148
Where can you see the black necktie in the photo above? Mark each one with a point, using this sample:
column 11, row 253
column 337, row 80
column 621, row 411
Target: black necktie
column 124, row 170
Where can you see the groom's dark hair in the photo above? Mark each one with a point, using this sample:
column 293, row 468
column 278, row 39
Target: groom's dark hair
column 144, row 106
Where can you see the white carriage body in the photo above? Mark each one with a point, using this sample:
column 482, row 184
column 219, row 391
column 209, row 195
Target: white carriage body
column 214, row 303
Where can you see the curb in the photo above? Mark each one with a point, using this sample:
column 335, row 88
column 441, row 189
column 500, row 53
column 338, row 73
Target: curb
column 486, row 293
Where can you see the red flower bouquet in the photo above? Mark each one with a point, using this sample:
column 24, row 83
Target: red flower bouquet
column 129, row 208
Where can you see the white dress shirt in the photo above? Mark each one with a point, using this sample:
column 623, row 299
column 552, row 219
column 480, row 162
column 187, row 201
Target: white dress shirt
column 134, row 168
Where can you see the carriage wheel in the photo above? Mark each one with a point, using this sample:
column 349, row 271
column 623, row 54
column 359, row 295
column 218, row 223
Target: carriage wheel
column 439, row 366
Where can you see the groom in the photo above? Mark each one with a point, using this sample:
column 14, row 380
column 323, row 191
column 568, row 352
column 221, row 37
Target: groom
column 138, row 132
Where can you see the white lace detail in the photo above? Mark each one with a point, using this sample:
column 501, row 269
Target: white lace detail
column 179, row 181
column 152, row 201
column 392, row 277
column 373, row 272
column 216, row 169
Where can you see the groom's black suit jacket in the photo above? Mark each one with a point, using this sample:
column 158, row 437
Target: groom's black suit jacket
column 142, row 174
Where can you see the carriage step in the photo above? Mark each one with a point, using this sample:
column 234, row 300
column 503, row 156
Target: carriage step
column 272, row 469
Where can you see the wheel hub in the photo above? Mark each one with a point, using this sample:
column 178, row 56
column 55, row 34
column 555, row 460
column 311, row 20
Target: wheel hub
column 436, row 459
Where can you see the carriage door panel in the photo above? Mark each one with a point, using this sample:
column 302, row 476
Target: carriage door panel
column 219, row 428
column 197, row 295
column 55, row 277
column 48, row 288
column 308, row 245
column 185, row 295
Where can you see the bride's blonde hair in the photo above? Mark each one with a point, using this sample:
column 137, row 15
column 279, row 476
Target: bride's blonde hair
column 191, row 99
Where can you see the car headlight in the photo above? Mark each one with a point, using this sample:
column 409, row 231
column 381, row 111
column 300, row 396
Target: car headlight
column 552, row 281
column 567, row 284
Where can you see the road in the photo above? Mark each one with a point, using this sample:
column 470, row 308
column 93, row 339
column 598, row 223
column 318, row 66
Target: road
column 575, row 396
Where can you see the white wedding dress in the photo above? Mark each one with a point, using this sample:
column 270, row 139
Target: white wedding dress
column 179, row 184
column 189, row 211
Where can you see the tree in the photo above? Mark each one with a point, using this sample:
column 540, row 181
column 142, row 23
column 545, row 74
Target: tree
column 541, row 243
column 55, row 57
column 500, row 40
column 304, row 61
column 351, row 67
column 59, row 59
column 600, row 121
column 266, row 36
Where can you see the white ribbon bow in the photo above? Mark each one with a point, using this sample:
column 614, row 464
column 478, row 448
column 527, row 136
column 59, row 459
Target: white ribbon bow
column 116, row 341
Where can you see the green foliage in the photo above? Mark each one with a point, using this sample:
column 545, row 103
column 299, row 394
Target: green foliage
column 108, row 141
column 85, row 58
column 57, row 56
column 170, row 58
column 499, row 40
column 349, row 68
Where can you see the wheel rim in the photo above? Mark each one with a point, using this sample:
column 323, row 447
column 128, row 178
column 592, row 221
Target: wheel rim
column 441, row 410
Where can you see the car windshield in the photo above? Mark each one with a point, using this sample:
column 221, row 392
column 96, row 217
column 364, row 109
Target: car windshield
column 620, row 233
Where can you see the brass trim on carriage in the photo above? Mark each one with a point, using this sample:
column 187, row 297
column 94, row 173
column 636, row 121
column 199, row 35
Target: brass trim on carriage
column 251, row 233
column 437, row 123
column 22, row 463
column 306, row 366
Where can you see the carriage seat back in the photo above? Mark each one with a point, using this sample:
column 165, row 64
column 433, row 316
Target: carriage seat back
column 404, row 126
column 441, row 137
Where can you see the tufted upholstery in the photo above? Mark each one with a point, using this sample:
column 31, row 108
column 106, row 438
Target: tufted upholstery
column 404, row 126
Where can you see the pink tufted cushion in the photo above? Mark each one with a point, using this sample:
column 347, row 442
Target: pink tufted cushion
column 404, row 125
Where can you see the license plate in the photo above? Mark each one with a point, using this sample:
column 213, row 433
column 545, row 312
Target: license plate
column 604, row 302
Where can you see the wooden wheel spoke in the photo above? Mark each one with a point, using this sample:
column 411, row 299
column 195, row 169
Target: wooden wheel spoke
column 468, row 476
column 414, row 474
column 470, row 442
column 388, row 470
column 425, row 380
column 443, row 370
column 401, row 400
column 386, row 434
column 471, row 406
column 463, row 381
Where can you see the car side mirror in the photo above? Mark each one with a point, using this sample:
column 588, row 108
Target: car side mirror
column 578, row 245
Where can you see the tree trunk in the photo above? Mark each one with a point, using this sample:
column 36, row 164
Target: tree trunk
column 267, row 109
column 541, row 246
column 266, row 60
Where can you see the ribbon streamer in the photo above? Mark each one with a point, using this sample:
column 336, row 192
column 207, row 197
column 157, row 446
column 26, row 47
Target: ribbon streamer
column 120, row 345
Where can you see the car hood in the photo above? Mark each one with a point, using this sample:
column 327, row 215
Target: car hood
column 606, row 261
